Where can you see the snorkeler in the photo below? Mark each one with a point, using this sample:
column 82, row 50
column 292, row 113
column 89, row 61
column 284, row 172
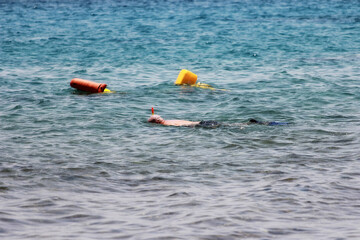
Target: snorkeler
column 206, row 124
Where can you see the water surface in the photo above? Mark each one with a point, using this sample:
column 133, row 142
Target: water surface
column 80, row 166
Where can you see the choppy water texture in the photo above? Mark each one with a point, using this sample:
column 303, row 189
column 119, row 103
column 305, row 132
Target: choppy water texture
column 79, row 166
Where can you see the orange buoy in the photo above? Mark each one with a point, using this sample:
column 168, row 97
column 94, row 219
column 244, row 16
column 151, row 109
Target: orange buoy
column 87, row 86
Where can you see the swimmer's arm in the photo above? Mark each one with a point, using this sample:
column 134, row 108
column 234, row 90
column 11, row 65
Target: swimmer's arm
column 180, row 123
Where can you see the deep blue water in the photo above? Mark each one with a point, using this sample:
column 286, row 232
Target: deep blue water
column 89, row 166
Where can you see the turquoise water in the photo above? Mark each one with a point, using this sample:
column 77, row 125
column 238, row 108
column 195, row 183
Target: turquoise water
column 80, row 166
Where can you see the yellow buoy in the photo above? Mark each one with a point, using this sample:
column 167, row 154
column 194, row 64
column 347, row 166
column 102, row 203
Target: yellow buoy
column 108, row 91
column 186, row 77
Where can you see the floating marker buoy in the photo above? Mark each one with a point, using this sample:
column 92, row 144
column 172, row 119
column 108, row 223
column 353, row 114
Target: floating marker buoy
column 186, row 77
column 88, row 86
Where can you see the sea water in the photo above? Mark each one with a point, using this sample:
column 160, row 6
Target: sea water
column 90, row 166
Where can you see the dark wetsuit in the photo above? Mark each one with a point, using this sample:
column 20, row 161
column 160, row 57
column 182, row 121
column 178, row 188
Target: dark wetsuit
column 215, row 124
column 254, row 121
column 209, row 124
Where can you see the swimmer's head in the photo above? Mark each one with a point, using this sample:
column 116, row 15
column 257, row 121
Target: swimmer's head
column 155, row 119
column 253, row 121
